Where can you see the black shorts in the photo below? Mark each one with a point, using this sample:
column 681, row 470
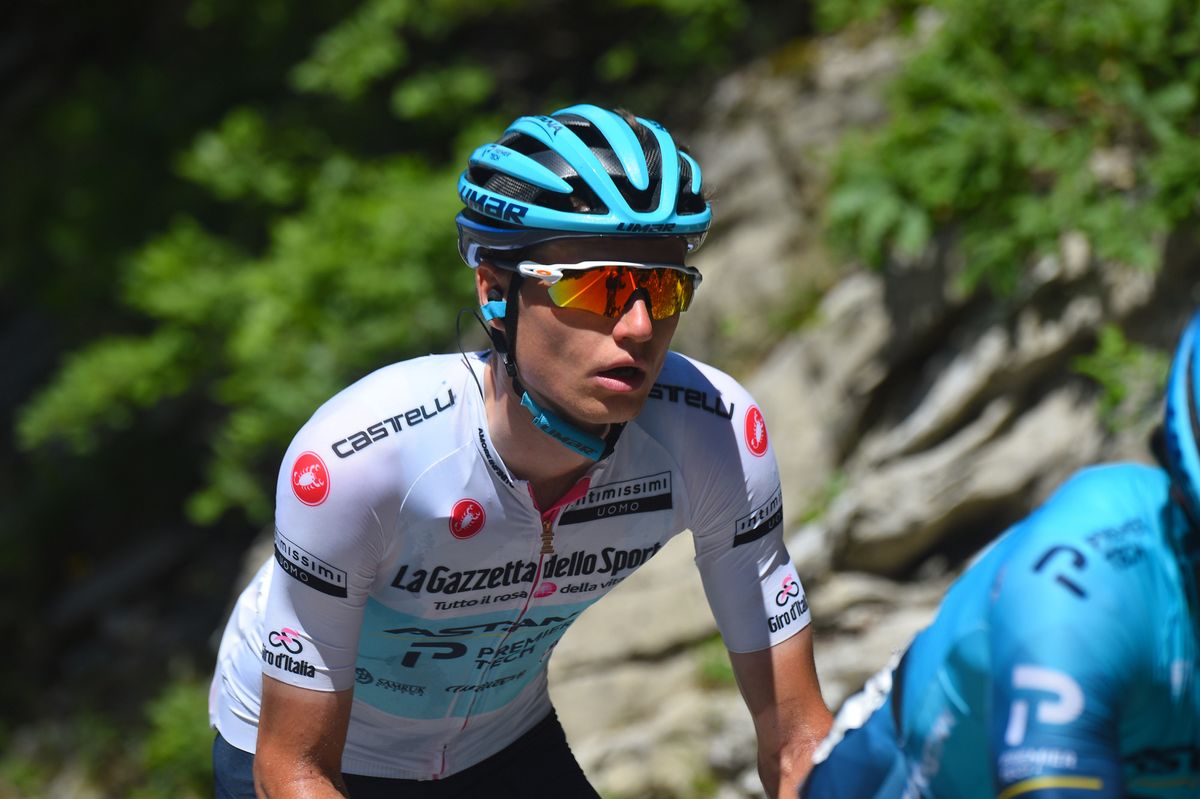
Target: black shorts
column 538, row 764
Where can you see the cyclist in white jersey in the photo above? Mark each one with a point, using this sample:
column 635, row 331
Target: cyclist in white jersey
column 441, row 522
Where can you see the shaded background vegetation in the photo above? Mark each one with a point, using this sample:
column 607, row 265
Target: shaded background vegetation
column 216, row 214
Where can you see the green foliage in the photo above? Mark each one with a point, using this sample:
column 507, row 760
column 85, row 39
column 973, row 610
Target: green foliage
column 166, row 755
column 246, row 157
column 105, row 386
column 367, row 269
column 830, row 491
column 175, row 754
column 834, row 15
column 22, row 776
column 1117, row 365
column 445, row 93
column 713, row 668
column 327, row 246
column 90, row 745
column 386, row 40
column 1021, row 121
column 360, row 49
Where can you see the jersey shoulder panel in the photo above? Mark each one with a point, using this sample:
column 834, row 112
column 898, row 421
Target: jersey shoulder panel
column 398, row 389
column 398, row 416
column 1078, row 562
column 1082, row 585
column 707, row 394
column 711, row 427
column 718, row 437
column 1101, row 531
column 349, row 468
column 706, row 416
column 1101, row 523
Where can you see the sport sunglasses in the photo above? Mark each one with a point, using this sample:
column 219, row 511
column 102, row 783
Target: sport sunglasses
column 605, row 287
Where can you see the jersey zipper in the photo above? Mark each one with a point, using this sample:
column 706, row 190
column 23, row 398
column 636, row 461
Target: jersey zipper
column 547, row 537
column 548, row 518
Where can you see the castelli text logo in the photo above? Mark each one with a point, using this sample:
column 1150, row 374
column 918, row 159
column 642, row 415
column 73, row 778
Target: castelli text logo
column 466, row 519
column 310, row 479
column 756, row 432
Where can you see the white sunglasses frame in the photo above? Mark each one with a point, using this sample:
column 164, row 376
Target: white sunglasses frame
column 552, row 273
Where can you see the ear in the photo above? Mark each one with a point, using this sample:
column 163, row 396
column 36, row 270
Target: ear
column 491, row 283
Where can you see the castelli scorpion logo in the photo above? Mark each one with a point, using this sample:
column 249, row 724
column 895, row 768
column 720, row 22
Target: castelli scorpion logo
column 466, row 519
column 310, row 479
column 756, row 432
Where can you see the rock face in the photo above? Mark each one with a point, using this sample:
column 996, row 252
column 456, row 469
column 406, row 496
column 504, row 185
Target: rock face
column 912, row 424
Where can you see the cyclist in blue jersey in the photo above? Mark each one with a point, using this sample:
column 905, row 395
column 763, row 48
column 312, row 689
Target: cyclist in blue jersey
column 1062, row 664
column 443, row 521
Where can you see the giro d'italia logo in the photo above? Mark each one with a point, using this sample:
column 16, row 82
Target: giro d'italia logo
column 756, row 432
column 790, row 588
column 466, row 519
column 287, row 639
column 310, row 479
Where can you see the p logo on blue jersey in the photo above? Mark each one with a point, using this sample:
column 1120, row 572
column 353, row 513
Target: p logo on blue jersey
column 1063, row 705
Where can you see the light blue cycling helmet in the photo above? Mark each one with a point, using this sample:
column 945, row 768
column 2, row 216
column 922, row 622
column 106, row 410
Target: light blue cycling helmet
column 1181, row 429
column 582, row 171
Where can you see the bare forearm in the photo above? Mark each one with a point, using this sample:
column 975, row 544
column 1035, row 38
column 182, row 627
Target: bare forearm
column 785, row 754
column 281, row 781
column 301, row 734
column 783, row 695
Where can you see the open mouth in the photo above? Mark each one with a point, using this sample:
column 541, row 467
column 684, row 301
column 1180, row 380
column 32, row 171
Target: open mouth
column 622, row 372
column 626, row 378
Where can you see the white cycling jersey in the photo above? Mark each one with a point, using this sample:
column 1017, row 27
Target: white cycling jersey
column 413, row 567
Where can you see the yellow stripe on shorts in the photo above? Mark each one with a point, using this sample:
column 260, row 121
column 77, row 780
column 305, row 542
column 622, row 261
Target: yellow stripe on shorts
column 1038, row 783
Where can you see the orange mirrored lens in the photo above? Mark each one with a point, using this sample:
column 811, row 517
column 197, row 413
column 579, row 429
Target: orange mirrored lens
column 607, row 290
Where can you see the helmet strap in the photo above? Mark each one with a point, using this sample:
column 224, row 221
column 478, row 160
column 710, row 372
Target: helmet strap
column 577, row 440
column 1158, row 448
column 1192, row 538
column 563, row 432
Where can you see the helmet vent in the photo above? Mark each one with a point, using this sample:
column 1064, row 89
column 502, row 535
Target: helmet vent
column 555, row 163
column 525, row 145
column 508, row 186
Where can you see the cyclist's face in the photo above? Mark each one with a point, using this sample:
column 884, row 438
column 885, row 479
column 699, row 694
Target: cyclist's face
column 594, row 369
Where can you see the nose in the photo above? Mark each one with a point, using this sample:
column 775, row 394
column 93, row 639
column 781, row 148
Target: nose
column 634, row 324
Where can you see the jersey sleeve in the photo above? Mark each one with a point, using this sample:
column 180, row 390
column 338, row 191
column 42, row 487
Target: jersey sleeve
column 733, row 481
column 1066, row 653
column 330, row 518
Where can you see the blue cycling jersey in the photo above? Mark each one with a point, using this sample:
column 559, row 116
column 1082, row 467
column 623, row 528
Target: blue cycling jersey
column 1061, row 664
